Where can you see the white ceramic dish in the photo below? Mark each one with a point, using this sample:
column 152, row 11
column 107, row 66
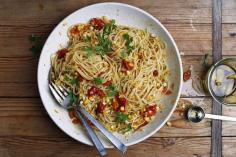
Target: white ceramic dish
column 124, row 15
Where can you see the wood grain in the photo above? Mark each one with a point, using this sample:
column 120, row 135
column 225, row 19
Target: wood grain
column 188, row 23
column 27, row 117
column 25, row 128
column 229, row 128
column 18, row 76
column 229, row 11
column 62, row 147
column 17, row 44
column 216, row 131
column 43, row 12
column 229, row 39
column 229, row 144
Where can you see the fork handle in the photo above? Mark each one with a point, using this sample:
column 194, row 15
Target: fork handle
column 93, row 136
column 114, row 140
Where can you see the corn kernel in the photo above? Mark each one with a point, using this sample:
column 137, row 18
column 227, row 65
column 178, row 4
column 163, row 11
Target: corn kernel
column 105, row 19
column 112, row 127
column 164, row 84
column 86, row 101
column 122, row 108
column 91, row 98
column 147, row 119
column 168, row 124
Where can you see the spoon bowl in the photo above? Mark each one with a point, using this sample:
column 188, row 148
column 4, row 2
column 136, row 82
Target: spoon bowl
column 195, row 114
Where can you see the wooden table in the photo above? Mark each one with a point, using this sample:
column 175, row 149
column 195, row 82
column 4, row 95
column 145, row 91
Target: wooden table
column 27, row 131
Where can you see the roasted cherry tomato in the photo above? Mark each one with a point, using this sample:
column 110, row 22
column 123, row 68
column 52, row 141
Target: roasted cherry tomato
column 61, row 53
column 187, row 75
column 97, row 23
column 115, row 104
column 166, row 91
column 92, row 91
column 128, row 65
column 100, row 93
column 80, row 78
column 100, row 107
column 122, row 103
column 107, row 83
column 74, row 30
column 155, row 73
column 151, row 110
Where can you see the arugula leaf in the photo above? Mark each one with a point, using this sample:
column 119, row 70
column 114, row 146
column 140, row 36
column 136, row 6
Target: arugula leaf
column 98, row 80
column 128, row 128
column 121, row 117
column 73, row 97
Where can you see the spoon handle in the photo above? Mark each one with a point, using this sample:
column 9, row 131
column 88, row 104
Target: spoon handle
column 219, row 117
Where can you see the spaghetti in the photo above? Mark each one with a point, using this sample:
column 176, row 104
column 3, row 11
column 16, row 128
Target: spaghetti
column 119, row 73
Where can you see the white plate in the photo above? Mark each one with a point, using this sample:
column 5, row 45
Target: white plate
column 124, row 15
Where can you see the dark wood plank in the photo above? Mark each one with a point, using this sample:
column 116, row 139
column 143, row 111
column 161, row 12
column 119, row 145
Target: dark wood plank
column 43, row 12
column 26, row 146
column 184, row 34
column 216, row 140
column 27, row 117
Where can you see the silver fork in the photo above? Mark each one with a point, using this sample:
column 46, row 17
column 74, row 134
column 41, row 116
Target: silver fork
column 61, row 94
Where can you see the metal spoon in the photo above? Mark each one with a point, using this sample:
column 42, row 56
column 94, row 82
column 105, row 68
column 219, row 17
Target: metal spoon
column 196, row 114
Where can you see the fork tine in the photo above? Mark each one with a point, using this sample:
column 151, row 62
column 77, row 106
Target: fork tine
column 63, row 90
column 58, row 98
column 58, row 90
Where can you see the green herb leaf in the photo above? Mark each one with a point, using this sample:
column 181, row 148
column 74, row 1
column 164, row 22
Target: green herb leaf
column 87, row 39
column 123, row 54
column 37, row 42
column 128, row 128
column 205, row 62
column 109, row 27
column 104, row 44
column 111, row 91
column 67, row 78
column 111, row 87
column 98, row 80
column 128, row 42
column 73, row 97
column 74, row 81
column 89, row 51
column 121, row 117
